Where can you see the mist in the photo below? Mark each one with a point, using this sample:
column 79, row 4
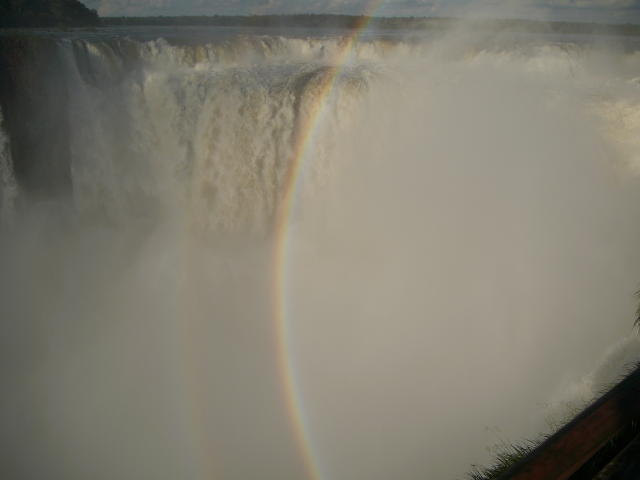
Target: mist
column 463, row 258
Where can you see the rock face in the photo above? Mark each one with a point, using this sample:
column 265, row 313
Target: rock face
column 33, row 98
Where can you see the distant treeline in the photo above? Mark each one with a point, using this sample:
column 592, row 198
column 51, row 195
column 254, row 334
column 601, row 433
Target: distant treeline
column 46, row 13
column 355, row 21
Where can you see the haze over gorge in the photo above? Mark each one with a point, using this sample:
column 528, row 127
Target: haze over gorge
column 244, row 253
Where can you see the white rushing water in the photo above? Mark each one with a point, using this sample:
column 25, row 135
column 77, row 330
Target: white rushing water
column 465, row 250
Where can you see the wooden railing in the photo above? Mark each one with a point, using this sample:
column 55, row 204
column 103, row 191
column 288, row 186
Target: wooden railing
column 562, row 454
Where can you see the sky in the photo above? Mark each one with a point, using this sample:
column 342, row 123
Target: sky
column 601, row 11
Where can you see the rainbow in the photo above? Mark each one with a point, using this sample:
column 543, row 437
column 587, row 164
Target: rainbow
column 283, row 223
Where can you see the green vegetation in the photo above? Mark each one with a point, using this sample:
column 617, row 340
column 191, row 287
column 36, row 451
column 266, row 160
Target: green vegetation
column 355, row 21
column 46, row 13
column 505, row 455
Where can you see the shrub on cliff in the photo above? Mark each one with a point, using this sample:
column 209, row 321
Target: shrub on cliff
column 46, row 13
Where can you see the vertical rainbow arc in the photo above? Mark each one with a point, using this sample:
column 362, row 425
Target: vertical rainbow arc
column 283, row 224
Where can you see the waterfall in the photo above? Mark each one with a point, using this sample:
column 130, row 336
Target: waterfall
column 234, row 255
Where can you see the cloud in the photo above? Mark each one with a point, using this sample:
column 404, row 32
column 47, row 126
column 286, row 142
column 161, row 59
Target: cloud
column 600, row 11
column 411, row 7
column 605, row 11
column 591, row 4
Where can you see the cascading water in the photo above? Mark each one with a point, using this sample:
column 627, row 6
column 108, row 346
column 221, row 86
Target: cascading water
column 460, row 248
column 181, row 127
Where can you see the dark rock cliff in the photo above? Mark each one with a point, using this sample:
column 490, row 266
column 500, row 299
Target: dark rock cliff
column 33, row 98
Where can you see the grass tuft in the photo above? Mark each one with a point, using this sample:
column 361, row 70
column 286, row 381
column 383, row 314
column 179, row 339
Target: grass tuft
column 507, row 454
